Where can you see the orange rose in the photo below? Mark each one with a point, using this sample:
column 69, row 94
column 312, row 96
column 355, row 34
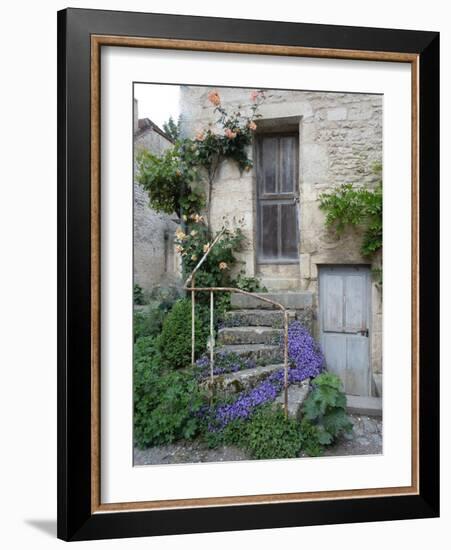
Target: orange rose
column 230, row 133
column 213, row 97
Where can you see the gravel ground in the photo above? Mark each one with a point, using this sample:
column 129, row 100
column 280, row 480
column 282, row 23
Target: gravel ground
column 365, row 439
column 186, row 451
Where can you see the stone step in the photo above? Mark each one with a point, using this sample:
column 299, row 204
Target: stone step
column 256, row 318
column 363, row 405
column 249, row 335
column 290, row 300
column 280, row 283
column 235, row 382
column 297, row 394
column 262, row 354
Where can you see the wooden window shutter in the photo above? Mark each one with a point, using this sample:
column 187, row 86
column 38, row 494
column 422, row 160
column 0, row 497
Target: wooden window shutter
column 277, row 207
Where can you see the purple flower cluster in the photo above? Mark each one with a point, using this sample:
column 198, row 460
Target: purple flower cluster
column 225, row 362
column 243, row 407
column 304, row 353
column 307, row 362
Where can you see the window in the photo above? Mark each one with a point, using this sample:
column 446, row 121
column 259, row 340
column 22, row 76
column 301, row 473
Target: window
column 277, row 197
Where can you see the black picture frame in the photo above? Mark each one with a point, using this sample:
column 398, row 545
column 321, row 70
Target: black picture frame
column 76, row 520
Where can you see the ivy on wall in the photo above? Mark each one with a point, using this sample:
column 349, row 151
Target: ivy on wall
column 349, row 205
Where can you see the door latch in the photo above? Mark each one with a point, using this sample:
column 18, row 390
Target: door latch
column 364, row 332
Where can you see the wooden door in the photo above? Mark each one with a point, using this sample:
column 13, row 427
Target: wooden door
column 344, row 321
column 277, row 197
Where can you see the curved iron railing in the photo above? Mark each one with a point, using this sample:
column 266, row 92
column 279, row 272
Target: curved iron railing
column 189, row 286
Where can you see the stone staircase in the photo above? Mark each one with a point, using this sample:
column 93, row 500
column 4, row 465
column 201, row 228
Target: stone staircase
column 254, row 330
column 258, row 342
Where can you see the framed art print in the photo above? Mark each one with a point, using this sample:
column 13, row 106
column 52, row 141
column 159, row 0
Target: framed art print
column 248, row 274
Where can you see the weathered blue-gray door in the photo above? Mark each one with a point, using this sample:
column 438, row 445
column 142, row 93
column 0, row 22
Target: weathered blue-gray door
column 344, row 320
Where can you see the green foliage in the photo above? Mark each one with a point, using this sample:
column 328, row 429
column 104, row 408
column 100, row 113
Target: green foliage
column 171, row 181
column 147, row 322
column 271, row 435
column 352, row 206
column 216, row 269
column 232, row 434
column 172, row 129
column 165, row 403
column 222, row 305
column 138, row 295
column 249, row 284
column 267, row 434
column 311, row 444
column 165, row 296
column 214, row 147
column 324, row 410
column 222, row 300
column 174, row 342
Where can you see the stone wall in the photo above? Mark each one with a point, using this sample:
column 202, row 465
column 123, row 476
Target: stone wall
column 154, row 261
column 340, row 140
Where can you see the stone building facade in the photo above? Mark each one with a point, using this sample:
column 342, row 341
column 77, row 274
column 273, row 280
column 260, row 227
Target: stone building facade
column 154, row 261
column 338, row 140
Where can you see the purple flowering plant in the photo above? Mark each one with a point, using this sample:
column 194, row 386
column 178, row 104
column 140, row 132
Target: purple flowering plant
column 225, row 362
column 304, row 352
column 307, row 361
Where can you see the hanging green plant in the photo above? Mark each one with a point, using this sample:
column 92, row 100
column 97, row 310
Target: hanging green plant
column 356, row 206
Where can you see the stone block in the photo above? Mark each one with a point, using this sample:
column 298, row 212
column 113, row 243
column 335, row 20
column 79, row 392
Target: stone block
column 304, row 262
column 257, row 317
column 376, row 351
column 364, row 111
column 313, row 270
column 228, row 170
column 249, row 335
column 261, row 353
column 377, row 385
column 286, row 109
column 314, row 163
column 339, row 113
column 305, row 317
column 368, row 406
column 275, row 284
column 297, row 394
column 236, row 382
column 290, row 300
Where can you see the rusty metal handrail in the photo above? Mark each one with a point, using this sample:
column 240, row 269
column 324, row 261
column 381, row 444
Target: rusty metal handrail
column 189, row 286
